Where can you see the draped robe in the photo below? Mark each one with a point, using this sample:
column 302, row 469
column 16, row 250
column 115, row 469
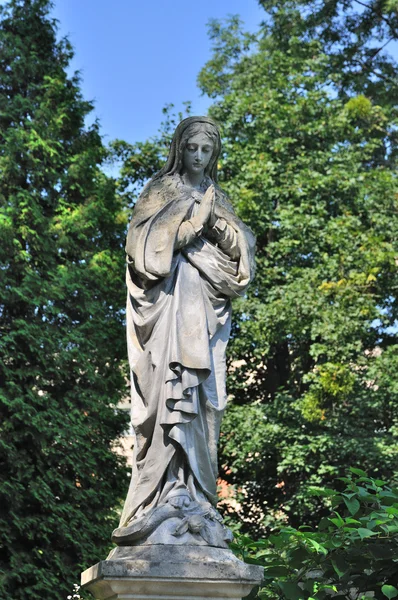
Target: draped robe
column 178, row 324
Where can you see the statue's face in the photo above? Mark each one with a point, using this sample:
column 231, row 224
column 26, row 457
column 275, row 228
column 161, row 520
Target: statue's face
column 197, row 154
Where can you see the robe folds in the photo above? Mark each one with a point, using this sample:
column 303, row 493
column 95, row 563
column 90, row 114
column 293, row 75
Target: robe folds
column 178, row 324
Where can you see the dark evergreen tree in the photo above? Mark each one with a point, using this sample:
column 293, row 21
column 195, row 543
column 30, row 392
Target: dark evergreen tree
column 62, row 342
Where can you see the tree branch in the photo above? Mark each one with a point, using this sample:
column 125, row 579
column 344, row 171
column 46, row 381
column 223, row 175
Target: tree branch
column 379, row 14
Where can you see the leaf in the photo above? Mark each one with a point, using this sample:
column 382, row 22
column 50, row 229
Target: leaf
column 365, row 533
column 249, row 559
column 245, row 541
column 392, row 529
column 318, row 547
column 340, row 566
column 277, row 571
column 353, row 521
column 322, row 492
column 235, row 547
column 346, row 480
column 298, row 556
column 291, row 590
column 260, row 544
column 327, row 586
column 352, row 504
column 389, row 591
column 277, row 540
column 358, row 472
column 337, row 520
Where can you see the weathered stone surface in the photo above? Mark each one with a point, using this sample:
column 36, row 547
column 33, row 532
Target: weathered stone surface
column 188, row 255
column 193, row 525
column 168, row 571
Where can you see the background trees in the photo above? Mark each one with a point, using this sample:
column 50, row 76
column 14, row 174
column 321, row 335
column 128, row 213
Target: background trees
column 309, row 126
column 62, row 340
column 308, row 118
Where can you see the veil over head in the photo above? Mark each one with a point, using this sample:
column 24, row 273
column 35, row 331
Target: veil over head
column 174, row 160
column 166, row 201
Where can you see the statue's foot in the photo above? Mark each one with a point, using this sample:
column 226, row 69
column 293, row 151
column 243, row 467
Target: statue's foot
column 180, row 501
column 180, row 520
column 179, row 497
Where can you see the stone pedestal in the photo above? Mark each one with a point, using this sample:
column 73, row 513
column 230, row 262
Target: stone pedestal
column 168, row 572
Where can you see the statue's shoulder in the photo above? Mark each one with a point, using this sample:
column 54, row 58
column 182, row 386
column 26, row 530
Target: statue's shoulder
column 155, row 194
column 154, row 186
column 223, row 200
column 164, row 186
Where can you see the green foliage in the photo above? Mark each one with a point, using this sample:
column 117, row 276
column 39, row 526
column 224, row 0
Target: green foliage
column 355, row 35
column 310, row 164
column 307, row 111
column 62, row 231
column 138, row 162
column 353, row 550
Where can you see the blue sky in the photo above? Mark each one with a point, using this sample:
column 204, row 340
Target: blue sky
column 136, row 56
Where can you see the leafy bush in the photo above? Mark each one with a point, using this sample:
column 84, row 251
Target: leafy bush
column 352, row 553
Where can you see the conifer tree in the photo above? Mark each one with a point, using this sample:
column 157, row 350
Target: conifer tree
column 62, row 343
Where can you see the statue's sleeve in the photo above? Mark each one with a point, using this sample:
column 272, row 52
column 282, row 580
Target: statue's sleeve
column 151, row 238
column 241, row 239
column 186, row 234
column 225, row 237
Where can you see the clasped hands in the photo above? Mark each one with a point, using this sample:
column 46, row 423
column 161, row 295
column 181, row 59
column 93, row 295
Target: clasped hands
column 205, row 215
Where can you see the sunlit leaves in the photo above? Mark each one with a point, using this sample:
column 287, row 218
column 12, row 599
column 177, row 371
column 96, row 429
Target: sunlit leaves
column 342, row 555
column 309, row 162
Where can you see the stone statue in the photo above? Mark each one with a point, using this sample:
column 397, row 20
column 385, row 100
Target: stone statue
column 188, row 254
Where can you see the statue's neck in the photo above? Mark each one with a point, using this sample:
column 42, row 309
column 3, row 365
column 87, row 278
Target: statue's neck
column 193, row 180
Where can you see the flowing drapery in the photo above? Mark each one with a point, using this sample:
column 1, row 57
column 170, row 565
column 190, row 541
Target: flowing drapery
column 178, row 324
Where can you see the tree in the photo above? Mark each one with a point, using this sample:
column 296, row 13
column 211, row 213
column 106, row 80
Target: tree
column 309, row 160
column 354, row 34
column 62, row 343
column 309, row 125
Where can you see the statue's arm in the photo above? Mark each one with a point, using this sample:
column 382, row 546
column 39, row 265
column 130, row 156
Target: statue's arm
column 221, row 234
column 225, row 237
column 187, row 232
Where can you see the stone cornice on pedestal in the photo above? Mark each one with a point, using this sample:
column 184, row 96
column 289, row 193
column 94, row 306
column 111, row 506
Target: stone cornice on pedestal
column 168, row 572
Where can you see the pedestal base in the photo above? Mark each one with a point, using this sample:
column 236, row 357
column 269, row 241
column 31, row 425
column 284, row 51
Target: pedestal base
column 169, row 572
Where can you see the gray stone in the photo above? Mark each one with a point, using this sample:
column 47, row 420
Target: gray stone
column 188, row 255
column 168, row 571
column 195, row 524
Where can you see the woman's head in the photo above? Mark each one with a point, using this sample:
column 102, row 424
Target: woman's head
column 197, row 150
column 189, row 134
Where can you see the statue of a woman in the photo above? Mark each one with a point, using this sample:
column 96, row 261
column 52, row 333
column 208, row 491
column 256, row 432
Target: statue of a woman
column 188, row 254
